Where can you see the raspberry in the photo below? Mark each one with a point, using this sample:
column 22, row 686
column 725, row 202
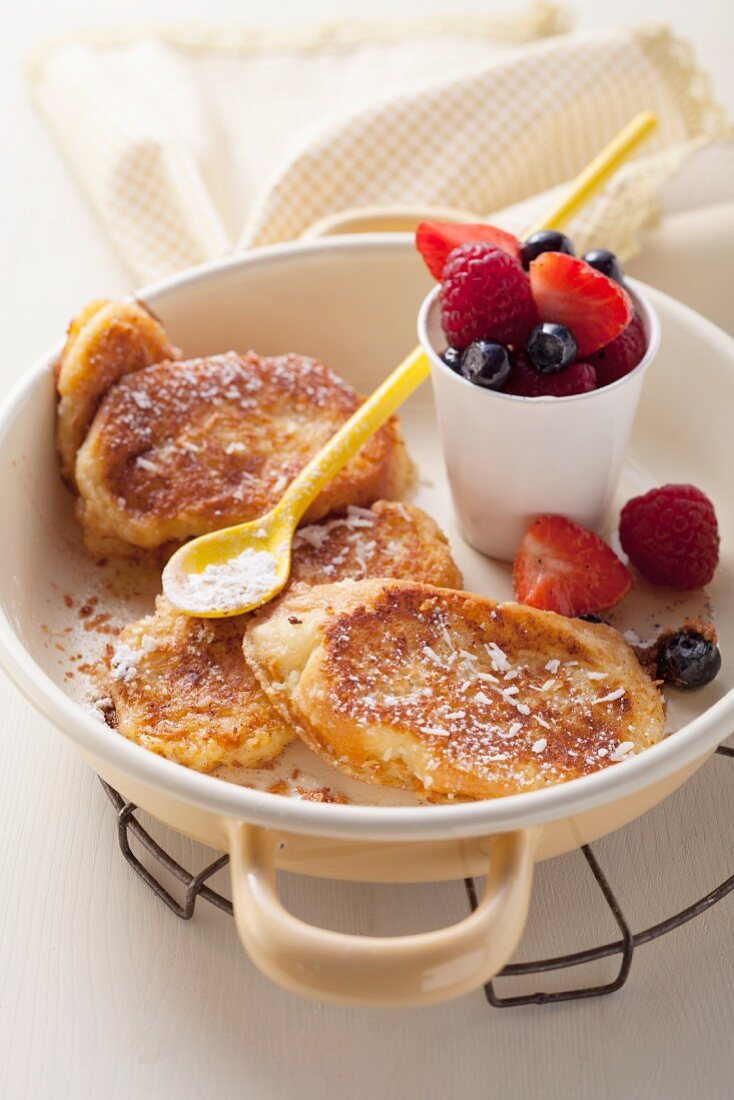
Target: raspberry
column 622, row 355
column 672, row 536
column 485, row 294
column 524, row 380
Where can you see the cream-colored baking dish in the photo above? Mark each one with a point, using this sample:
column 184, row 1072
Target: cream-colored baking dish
column 353, row 302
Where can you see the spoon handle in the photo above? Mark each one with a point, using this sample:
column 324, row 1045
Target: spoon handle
column 598, row 171
column 345, row 443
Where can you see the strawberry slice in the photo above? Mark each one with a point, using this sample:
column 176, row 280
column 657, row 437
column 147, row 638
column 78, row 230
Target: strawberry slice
column 571, row 292
column 561, row 566
column 434, row 241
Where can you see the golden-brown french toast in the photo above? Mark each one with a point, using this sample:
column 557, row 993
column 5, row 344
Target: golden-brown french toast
column 178, row 449
column 105, row 341
column 181, row 689
column 181, row 686
column 449, row 693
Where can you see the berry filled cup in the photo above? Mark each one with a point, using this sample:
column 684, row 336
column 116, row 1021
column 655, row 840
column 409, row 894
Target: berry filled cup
column 537, row 361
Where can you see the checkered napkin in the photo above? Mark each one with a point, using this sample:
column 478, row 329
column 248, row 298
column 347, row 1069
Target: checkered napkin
column 192, row 142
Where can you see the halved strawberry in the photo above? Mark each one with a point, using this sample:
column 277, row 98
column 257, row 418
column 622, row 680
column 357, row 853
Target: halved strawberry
column 571, row 292
column 434, row 241
column 561, row 566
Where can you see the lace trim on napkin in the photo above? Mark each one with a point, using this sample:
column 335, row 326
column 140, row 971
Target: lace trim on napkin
column 539, row 20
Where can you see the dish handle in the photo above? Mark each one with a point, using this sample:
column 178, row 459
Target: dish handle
column 402, row 970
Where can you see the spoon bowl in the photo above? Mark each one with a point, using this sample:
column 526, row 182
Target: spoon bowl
column 231, row 571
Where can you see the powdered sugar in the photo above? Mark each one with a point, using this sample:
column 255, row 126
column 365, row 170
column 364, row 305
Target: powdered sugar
column 124, row 663
column 237, row 583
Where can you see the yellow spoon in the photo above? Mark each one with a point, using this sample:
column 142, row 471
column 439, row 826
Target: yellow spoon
column 239, row 568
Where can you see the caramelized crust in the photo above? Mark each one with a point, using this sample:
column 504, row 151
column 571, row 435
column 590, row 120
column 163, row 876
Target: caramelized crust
column 448, row 693
column 387, row 540
column 105, row 341
column 182, row 448
column 181, row 686
column 183, row 691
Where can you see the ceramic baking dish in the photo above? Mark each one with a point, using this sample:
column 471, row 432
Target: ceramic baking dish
column 353, row 301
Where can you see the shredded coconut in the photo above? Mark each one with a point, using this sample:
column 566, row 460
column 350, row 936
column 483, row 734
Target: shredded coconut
column 553, row 665
column 540, row 745
column 622, row 750
column 498, row 657
column 236, row 583
column 432, row 655
column 610, row 697
column 435, row 731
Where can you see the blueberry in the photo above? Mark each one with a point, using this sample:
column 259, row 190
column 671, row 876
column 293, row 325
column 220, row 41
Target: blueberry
column 606, row 262
column 688, row 660
column 592, row 618
column 486, row 364
column 452, row 357
column 551, row 347
column 547, row 240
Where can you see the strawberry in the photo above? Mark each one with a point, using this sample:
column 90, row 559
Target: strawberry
column 525, row 381
column 571, row 292
column 561, row 566
column 485, row 294
column 434, row 241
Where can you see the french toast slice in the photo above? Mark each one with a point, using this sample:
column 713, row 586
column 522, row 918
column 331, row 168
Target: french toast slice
column 181, row 448
column 181, row 687
column 104, row 341
column 448, row 693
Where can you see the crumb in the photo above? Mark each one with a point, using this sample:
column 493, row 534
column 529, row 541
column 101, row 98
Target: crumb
column 648, row 655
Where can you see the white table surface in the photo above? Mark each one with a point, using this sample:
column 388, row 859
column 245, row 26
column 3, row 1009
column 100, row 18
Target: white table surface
column 103, row 992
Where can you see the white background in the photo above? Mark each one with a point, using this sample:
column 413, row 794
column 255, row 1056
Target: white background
column 104, row 992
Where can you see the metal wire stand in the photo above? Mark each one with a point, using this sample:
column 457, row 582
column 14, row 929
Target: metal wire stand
column 196, row 887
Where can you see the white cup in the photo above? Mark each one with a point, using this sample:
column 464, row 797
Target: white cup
column 510, row 459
